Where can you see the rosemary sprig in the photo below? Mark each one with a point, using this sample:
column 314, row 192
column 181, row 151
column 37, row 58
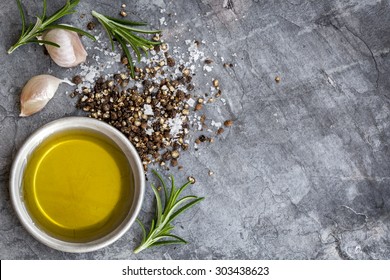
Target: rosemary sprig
column 161, row 227
column 124, row 32
column 31, row 33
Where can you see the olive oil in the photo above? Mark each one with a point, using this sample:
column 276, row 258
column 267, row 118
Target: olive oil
column 78, row 185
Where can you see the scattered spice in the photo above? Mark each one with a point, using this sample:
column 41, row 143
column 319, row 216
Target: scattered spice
column 153, row 111
column 124, row 60
column 175, row 154
column 220, row 130
column 123, row 13
column 208, row 61
column 170, row 62
column 150, row 114
column 277, row 79
column 191, row 179
column 77, row 80
column 198, row 107
column 174, row 162
column 91, row 25
column 164, row 47
column 157, row 109
column 228, row 123
column 202, row 138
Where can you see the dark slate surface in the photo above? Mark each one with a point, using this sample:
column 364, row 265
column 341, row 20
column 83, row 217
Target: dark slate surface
column 304, row 173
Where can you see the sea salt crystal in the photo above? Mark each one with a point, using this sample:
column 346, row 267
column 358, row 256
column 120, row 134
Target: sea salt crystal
column 91, row 76
column 216, row 124
column 149, row 131
column 191, row 102
column 162, row 21
column 148, row 110
column 176, row 125
column 207, row 68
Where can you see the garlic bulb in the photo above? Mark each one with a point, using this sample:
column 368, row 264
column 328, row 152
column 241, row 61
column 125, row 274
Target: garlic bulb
column 37, row 92
column 70, row 53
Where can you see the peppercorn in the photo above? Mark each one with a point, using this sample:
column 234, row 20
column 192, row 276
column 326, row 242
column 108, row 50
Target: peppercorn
column 198, row 107
column 91, row 25
column 77, row 80
column 228, row 123
column 220, row 130
column 170, row 62
column 191, row 179
column 124, row 60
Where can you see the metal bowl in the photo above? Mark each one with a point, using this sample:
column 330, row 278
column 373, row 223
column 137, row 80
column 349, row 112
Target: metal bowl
column 60, row 126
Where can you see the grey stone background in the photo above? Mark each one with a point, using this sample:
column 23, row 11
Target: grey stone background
column 304, row 173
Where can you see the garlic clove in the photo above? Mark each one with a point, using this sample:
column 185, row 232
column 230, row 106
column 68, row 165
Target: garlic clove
column 37, row 92
column 71, row 51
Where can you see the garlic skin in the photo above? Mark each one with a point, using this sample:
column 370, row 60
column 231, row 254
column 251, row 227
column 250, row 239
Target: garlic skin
column 71, row 51
column 37, row 93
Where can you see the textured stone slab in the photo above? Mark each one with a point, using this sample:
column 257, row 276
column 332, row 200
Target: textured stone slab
column 304, row 172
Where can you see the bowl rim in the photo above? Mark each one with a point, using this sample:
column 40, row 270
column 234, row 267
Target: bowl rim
column 31, row 143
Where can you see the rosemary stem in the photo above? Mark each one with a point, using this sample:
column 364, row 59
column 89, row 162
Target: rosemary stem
column 140, row 248
column 11, row 49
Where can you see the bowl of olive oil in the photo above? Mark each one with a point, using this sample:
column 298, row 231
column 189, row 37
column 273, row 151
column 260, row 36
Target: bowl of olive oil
column 77, row 184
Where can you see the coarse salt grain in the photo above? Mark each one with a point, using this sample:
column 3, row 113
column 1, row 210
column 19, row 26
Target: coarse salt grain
column 176, row 125
column 216, row 124
column 148, row 110
column 207, row 68
column 191, row 102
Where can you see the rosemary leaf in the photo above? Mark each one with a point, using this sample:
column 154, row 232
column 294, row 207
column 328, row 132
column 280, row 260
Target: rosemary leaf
column 21, row 12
